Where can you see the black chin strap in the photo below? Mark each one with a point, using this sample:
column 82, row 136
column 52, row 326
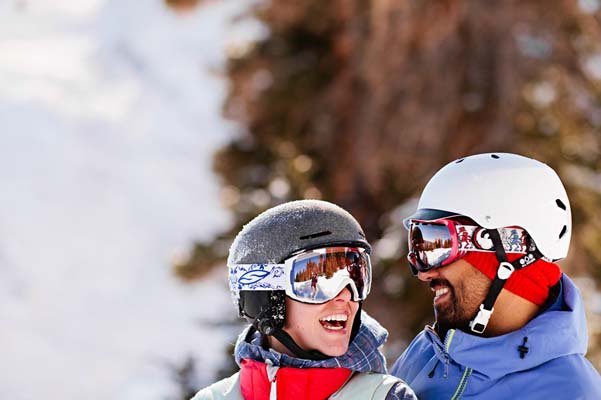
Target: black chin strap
column 291, row 345
column 504, row 271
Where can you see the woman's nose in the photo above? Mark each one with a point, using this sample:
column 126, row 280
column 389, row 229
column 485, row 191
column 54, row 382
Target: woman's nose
column 344, row 295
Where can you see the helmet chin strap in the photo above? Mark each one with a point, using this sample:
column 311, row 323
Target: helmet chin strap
column 291, row 345
column 504, row 271
column 264, row 326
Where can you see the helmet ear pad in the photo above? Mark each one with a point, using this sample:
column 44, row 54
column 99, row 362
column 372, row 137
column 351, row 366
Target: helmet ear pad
column 264, row 309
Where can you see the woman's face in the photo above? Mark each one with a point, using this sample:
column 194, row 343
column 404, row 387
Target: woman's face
column 324, row 327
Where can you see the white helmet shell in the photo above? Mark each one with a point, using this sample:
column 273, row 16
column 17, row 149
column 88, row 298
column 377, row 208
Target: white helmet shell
column 500, row 189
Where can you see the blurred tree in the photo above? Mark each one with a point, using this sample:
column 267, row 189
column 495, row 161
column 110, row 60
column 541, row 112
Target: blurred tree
column 360, row 102
column 185, row 378
column 182, row 6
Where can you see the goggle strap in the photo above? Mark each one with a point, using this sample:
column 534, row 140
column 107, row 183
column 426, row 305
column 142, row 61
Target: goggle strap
column 257, row 277
column 514, row 240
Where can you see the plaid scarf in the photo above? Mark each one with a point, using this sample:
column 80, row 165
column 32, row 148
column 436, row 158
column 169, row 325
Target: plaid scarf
column 363, row 354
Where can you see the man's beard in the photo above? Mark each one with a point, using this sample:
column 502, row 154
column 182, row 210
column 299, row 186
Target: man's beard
column 460, row 308
column 448, row 314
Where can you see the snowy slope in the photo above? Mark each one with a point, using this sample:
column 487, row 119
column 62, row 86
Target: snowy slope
column 109, row 113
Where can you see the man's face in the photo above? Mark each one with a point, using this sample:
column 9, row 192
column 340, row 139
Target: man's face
column 459, row 289
column 324, row 327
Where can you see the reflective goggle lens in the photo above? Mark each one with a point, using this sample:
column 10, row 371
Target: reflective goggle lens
column 319, row 275
column 430, row 245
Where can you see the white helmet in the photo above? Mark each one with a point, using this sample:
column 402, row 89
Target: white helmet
column 498, row 190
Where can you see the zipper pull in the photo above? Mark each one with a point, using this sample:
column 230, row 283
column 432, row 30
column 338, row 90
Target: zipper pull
column 446, row 367
column 431, row 373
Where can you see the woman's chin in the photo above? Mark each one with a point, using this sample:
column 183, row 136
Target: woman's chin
column 335, row 351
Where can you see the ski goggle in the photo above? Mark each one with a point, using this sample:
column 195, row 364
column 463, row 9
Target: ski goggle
column 314, row 276
column 437, row 243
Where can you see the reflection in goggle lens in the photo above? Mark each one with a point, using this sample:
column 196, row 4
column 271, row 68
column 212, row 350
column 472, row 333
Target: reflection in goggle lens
column 429, row 245
column 319, row 276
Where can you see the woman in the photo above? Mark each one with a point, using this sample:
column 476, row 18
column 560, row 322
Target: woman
column 305, row 343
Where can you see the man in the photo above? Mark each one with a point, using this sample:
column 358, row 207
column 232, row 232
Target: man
column 509, row 324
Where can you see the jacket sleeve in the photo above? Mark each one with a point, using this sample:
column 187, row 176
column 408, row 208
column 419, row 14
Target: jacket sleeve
column 228, row 388
column 204, row 394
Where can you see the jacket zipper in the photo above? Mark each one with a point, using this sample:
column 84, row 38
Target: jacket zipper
column 466, row 374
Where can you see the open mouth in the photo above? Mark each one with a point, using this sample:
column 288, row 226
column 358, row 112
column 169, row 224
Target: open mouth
column 334, row 322
column 439, row 293
column 442, row 290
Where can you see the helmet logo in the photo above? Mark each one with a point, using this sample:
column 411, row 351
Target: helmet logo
column 482, row 239
column 527, row 260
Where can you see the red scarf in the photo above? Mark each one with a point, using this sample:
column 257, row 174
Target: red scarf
column 531, row 283
column 292, row 383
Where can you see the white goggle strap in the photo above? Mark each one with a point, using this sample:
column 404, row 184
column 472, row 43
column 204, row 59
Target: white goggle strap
column 257, row 277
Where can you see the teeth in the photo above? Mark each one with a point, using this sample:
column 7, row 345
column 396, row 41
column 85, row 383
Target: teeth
column 441, row 291
column 335, row 317
column 334, row 328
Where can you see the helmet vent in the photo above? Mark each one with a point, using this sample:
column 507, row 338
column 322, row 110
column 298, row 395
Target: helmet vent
column 560, row 204
column 315, row 235
column 563, row 231
column 458, row 161
column 496, row 157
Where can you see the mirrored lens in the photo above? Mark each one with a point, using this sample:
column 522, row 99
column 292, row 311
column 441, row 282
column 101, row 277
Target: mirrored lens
column 429, row 245
column 320, row 275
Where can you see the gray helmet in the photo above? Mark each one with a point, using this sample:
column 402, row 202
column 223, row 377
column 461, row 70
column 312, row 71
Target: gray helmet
column 275, row 235
column 297, row 225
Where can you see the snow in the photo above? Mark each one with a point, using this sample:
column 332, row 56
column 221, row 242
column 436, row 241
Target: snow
column 435, row 256
column 305, row 289
column 110, row 113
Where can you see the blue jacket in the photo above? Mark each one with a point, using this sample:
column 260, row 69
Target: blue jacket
column 471, row 367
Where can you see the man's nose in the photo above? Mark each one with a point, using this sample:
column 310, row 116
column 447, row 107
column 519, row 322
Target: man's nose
column 427, row 276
